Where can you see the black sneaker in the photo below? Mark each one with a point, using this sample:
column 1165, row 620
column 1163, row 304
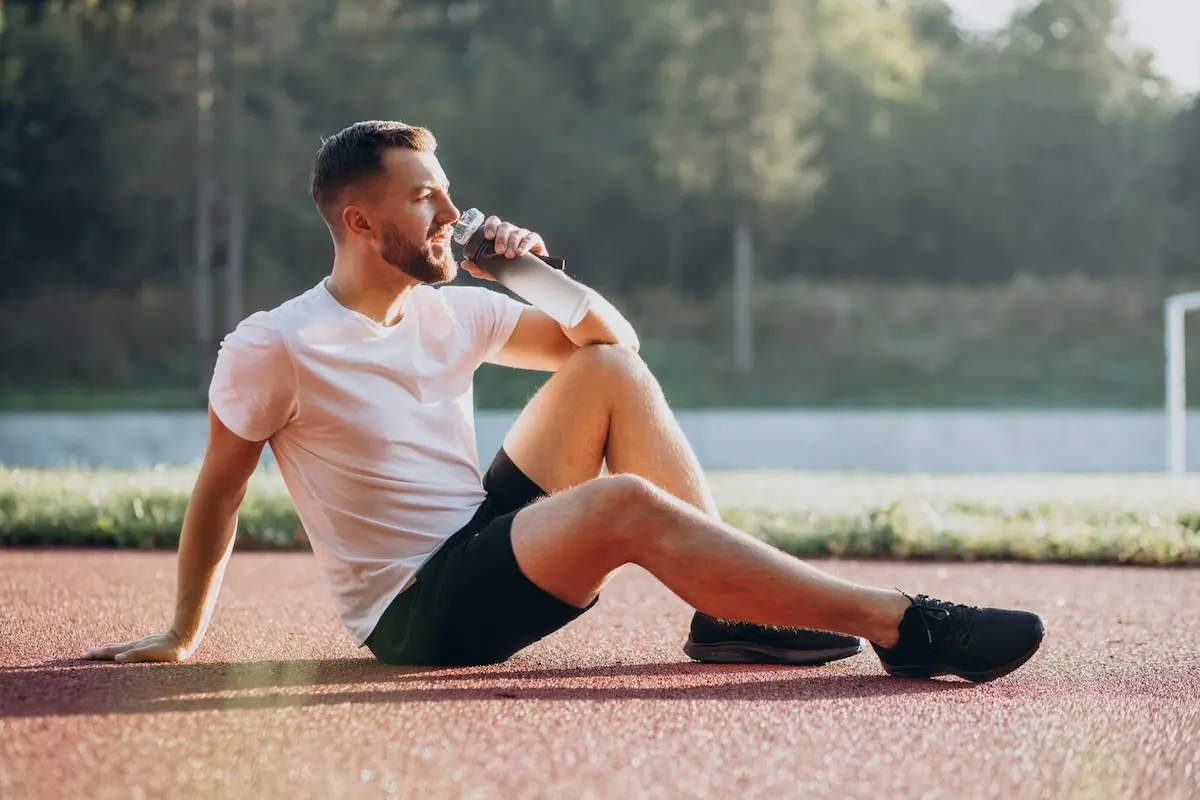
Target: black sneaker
column 979, row 644
column 721, row 642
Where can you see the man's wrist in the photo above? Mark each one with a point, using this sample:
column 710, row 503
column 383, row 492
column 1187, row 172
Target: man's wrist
column 181, row 640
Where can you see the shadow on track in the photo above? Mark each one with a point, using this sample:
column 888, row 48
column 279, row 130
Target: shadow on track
column 70, row 687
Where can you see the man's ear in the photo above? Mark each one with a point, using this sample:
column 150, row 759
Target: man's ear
column 356, row 221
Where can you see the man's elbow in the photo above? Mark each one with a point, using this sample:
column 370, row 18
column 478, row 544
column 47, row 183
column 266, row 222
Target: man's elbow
column 629, row 338
column 625, row 336
column 627, row 341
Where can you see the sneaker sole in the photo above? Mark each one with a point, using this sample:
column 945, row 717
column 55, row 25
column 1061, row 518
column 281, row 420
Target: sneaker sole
column 943, row 669
column 749, row 653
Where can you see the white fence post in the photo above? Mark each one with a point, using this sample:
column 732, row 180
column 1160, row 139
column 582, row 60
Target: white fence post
column 1176, row 374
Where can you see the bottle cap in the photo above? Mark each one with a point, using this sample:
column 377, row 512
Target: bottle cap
column 467, row 224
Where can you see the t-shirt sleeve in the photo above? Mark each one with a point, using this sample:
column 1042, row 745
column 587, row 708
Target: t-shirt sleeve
column 253, row 389
column 488, row 317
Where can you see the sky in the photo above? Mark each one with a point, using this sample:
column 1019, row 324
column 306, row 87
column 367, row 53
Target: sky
column 1169, row 28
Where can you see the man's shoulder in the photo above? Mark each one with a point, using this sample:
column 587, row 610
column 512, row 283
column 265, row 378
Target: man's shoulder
column 295, row 310
column 268, row 330
column 283, row 317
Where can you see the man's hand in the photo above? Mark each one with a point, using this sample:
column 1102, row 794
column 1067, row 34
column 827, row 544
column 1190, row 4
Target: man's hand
column 538, row 342
column 509, row 241
column 159, row 647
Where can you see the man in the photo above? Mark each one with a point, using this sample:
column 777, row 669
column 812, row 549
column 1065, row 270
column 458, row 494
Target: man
column 363, row 387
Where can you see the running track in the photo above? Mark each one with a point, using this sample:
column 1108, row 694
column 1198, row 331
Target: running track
column 277, row 703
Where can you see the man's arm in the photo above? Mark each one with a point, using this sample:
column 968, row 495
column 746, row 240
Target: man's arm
column 538, row 342
column 603, row 324
column 205, row 543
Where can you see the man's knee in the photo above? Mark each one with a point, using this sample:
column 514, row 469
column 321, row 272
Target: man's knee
column 613, row 515
column 635, row 507
column 633, row 492
column 612, row 364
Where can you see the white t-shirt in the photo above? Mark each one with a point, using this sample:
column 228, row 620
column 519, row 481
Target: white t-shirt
column 372, row 427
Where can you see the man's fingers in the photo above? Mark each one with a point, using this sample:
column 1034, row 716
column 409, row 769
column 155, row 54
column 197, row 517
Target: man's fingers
column 531, row 243
column 148, row 653
column 128, row 655
column 473, row 268
column 515, row 237
column 159, row 647
column 504, row 237
column 108, row 650
column 490, row 225
column 509, row 240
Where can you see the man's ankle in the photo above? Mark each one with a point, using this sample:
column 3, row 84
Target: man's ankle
column 885, row 627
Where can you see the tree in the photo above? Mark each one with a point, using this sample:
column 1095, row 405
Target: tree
column 206, row 189
column 1185, row 250
column 870, row 75
column 54, row 172
column 1088, row 162
column 731, row 125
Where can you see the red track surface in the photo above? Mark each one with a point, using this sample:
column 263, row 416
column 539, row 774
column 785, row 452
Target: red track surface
column 277, row 703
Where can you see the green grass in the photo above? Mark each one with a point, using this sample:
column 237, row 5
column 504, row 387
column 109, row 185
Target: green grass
column 1146, row 520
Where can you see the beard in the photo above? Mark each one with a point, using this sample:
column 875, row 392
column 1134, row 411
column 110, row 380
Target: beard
column 417, row 261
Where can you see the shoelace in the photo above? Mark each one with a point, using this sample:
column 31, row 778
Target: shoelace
column 953, row 621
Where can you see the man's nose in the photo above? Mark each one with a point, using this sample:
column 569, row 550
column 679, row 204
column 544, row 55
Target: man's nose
column 449, row 213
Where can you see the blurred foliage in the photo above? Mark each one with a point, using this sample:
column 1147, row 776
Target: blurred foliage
column 1059, row 342
column 870, row 146
column 1063, row 342
column 856, row 517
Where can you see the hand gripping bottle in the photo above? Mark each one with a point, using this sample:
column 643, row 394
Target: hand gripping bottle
column 539, row 280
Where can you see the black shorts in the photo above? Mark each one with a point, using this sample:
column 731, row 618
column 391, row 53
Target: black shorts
column 470, row 603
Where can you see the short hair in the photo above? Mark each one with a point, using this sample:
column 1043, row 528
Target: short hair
column 355, row 154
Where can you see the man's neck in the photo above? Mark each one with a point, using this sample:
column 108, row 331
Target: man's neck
column 378, row 292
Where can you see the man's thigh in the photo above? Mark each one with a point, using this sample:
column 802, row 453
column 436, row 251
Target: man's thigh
column 571, row 544
column 559, row 438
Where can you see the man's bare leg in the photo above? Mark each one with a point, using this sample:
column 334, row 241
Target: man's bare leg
column 604, row 405
column 570, row 543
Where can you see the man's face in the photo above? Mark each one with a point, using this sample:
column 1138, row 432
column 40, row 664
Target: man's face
column 413, row 216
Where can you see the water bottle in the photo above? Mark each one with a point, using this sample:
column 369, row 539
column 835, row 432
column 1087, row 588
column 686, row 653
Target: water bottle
column 539, row 280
